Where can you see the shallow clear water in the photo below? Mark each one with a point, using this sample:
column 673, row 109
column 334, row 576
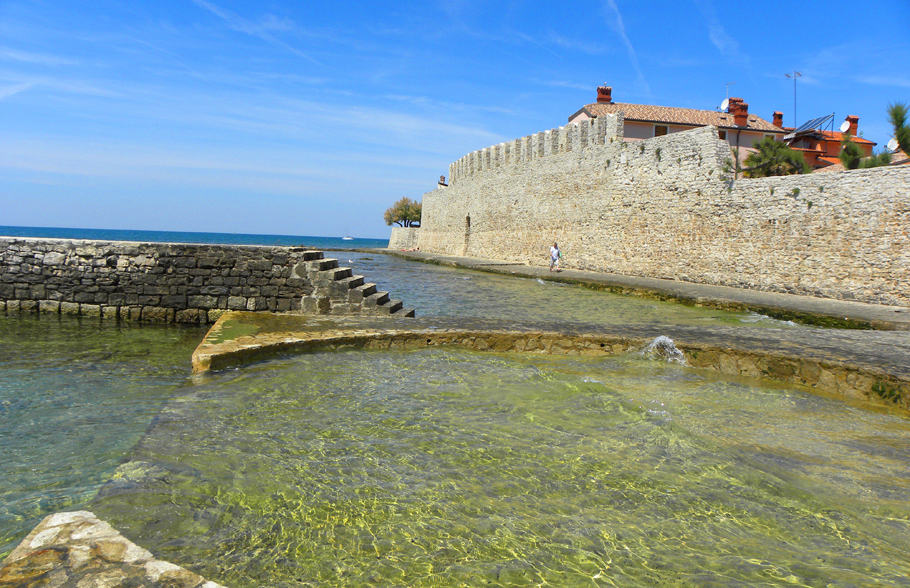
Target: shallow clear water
column 444, row 291
column 445, row 467
column 75, row 397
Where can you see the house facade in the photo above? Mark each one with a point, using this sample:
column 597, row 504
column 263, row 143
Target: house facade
column 643, row 121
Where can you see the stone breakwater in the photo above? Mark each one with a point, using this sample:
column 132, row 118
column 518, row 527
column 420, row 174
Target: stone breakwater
column 670, row 207
column 175, row 282
column 865, row 366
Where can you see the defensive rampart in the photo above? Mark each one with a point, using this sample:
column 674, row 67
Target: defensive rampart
column 177, row 282
column 669, row 207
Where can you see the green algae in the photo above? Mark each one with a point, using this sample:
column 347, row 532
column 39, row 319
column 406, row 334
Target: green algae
column 450, row 467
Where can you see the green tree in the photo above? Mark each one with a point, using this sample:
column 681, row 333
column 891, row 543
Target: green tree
column 897, row 112
column 774, row 158
column 404, row 213
column 852, row 156
column 850, row 153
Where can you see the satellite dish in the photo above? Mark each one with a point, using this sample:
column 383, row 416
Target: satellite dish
column 725, row 104
column 892, row 144
column 844, row 126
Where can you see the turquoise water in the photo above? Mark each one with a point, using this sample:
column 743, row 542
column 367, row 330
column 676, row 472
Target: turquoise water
column 191, row 237
column 75, row 397
column 441, row 467
column 444, row 291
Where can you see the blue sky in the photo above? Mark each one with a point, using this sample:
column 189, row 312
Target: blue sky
column 312, row 118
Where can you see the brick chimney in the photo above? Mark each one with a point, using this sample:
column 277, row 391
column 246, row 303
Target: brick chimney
column 854, row 124
column 778, row 119
column 604, row 94
column 740, row 112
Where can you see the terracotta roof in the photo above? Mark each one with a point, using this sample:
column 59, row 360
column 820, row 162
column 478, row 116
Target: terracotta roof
column 675, row 115
column 836, row 136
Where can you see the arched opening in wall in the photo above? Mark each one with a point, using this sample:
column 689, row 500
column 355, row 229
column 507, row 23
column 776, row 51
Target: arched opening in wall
column 467, row 234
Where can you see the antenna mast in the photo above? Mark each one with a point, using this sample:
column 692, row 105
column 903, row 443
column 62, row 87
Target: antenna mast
column 794, row 75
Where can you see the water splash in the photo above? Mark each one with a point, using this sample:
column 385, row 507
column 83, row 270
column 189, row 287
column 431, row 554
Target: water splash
column 662, row 347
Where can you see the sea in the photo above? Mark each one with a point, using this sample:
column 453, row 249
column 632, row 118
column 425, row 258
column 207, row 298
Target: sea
column 339, row 242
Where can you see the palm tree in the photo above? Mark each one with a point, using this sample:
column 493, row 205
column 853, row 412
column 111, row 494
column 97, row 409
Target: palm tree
column 774, row 158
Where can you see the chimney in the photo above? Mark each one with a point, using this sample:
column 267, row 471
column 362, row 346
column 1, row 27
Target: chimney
column 740, row 112
column 778, row 119
column 604, row 94
column 854, row 124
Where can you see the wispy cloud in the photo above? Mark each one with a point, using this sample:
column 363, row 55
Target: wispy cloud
column 262, row 29
column 577, row 45
column 717, row 34
column 894, row 81
column 9, row 54
column 620, row 29
column 564, row 84
column 15, row 89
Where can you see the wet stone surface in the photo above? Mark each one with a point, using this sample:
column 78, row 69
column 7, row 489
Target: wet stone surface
column 857, row 365
column 78, row 549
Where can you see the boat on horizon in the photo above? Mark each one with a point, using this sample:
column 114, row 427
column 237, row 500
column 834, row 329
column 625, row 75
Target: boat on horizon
column 347, row 238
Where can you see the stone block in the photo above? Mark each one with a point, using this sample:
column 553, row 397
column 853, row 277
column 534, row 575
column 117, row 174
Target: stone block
column 12, row 306
column 283, row 304
column 190, row 315
column 49, row 306
column 90, row 309
column 202, row 301
column 157, row 314
column 3, row 306
column 214, row 314
column 69, row 308
column 236, row 303
column 110, row 312
column 174, row 301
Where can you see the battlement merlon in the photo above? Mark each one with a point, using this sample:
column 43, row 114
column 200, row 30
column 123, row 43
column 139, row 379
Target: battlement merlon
column 572, row 137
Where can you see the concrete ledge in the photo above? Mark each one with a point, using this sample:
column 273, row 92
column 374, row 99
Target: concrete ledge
column 78, row 549
column 825, row 312
column 864, row 366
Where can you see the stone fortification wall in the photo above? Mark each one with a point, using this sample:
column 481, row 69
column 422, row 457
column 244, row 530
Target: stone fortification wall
column 403, row 238
column 668, row 207
column 149, row 281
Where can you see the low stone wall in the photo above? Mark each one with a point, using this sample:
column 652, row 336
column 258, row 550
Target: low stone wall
column 403, row 238
column 149, row 281
column 669, row 207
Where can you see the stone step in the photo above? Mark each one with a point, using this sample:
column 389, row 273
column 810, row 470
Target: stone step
column 376, row 299
column 404, row 312
column 322, row 264
column 312, row 255
column 336, row 274
column 358, row 293
column 352, row 282
column 394, row 306
column 339, row 289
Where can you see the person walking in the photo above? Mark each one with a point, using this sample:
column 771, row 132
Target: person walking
column 555, row 255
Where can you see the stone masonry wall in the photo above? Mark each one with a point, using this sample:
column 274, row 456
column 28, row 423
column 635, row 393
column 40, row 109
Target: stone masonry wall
column 149, row 281
column 403, row 238
column 668, row 207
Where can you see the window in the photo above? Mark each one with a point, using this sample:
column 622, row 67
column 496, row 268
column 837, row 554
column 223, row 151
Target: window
column 660, row 130
column 722, row 134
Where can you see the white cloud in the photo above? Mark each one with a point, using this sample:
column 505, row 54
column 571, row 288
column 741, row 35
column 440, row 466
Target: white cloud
column 620, row 29
column 9, row 54
column 261, row 30
column 15, row 89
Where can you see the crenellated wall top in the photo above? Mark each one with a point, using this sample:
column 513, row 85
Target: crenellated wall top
column 572, row 137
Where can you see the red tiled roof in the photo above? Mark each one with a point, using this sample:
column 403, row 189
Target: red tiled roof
column 836, row 136
column 675, row 115
column 830, row 160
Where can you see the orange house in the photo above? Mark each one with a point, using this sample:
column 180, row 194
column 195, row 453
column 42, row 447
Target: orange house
column 821, row 148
